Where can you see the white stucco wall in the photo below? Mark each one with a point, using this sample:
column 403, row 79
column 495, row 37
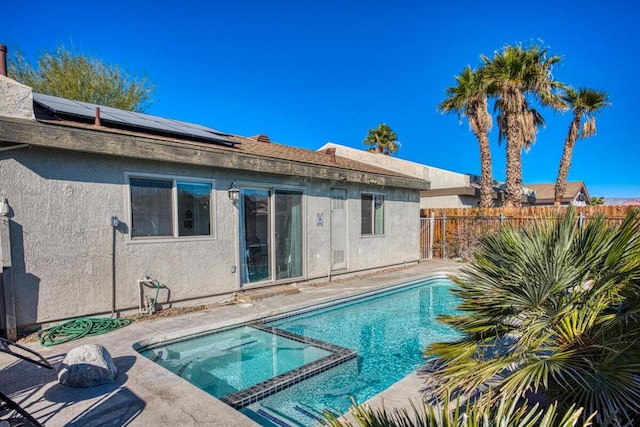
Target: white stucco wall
column 438, row 178
column 62, row 238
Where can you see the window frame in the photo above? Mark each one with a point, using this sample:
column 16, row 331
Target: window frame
column 374, row 196
column 174, row 180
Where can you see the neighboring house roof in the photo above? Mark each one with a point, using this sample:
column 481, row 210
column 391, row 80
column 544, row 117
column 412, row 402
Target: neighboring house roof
column 66, row 131
column 544, row 193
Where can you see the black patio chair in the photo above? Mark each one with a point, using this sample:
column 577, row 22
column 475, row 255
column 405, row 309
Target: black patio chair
column 9, row 410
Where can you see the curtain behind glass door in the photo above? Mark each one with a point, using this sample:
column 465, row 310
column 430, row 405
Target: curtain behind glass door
column 255, row 236
column 288, row 233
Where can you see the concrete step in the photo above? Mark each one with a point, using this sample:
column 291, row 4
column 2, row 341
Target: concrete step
column 251, row 295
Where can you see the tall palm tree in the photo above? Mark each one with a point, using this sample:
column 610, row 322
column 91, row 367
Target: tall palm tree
column 513, row 75
column 382, row 140
column 550, row 311
column 469, row 99
column 584, row 103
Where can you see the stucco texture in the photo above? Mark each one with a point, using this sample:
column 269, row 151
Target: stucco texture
column 63, row 248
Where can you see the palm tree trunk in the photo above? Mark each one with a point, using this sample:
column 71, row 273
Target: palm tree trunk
column 486, row 179
column 565, row 161
column 514, row 163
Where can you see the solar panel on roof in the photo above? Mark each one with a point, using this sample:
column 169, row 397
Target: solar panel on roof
column 131, row 119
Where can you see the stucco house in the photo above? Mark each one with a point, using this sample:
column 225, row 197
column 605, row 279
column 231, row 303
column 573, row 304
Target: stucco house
column 447, row 189
column 96, row 199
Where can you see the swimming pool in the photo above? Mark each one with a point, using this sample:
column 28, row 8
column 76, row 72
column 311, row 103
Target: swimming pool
column 287, row 369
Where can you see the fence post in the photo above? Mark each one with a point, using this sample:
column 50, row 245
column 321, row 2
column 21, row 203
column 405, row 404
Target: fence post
column 501, row 217
column 580, row 220
column 444, row 236
column 432, row 224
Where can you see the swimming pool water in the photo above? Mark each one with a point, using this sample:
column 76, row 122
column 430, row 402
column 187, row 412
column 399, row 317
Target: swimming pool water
column 388, row 330
column 389, row 333
column 229, row 361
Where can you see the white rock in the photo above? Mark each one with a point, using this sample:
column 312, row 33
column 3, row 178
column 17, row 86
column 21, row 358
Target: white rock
column 87, row 366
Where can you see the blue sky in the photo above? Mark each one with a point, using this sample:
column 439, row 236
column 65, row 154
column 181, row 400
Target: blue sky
column 306, row 73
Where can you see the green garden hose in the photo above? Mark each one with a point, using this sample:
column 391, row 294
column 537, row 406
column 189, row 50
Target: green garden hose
column 78, row 328
column 87, row 327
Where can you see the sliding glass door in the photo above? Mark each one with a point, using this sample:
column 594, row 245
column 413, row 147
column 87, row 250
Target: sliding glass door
column 270, row 234
column 288, row 228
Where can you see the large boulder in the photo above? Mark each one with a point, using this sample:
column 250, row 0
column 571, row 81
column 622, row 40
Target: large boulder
column 87, row 366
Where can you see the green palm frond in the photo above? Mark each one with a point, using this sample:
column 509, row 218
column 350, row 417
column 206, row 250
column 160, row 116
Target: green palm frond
column 551, row 309
column 506, row 412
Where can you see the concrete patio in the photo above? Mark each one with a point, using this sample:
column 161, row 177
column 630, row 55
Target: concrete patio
column 146, row 394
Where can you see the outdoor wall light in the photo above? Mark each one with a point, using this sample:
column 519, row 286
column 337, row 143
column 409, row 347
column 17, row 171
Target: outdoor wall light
column 342, row 177
column 4, row 207
column 115, row 222
column 234, row 191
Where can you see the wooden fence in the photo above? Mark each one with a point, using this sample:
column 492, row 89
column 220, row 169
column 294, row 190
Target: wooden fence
column 454, row 232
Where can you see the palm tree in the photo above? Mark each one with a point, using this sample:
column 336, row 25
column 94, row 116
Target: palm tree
column 382, row 140
column 551, row 311
column 584, row 103
column 513, row 75
column 469, row 99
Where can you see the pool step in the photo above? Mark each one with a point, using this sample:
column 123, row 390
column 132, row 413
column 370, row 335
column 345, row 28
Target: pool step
column 309, row 414
column 275, row 420
column 251, row 295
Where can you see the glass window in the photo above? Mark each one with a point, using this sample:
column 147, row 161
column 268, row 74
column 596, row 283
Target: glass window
column 194, row 213
column 150, row 208
column 372, row 214
column 159, row 211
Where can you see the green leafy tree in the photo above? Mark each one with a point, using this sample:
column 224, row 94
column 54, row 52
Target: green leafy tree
column 382, row 140
column 512, row 76
column 469, row 99
column 76, row 76
column 595, row 200
column 584, row 103
column 551, row 311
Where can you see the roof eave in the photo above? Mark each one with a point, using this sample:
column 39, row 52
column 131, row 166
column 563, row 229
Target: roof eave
column 20, row 131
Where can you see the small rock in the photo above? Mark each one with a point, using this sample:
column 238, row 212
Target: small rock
column 87, row 366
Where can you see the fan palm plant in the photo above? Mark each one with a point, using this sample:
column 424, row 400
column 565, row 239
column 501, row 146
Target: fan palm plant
column 382, row 140
column 551, row 310
column 584, row 103
column 506, row 412
column 469, row 99
column 512, row 76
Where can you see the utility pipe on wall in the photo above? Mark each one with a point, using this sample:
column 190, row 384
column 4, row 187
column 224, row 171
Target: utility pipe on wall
column 115, row 222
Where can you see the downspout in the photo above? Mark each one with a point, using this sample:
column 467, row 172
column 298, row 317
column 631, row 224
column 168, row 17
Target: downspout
column 115, row 223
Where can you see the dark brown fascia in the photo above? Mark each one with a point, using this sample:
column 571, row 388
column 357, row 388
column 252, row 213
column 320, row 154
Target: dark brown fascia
column 20, row 131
